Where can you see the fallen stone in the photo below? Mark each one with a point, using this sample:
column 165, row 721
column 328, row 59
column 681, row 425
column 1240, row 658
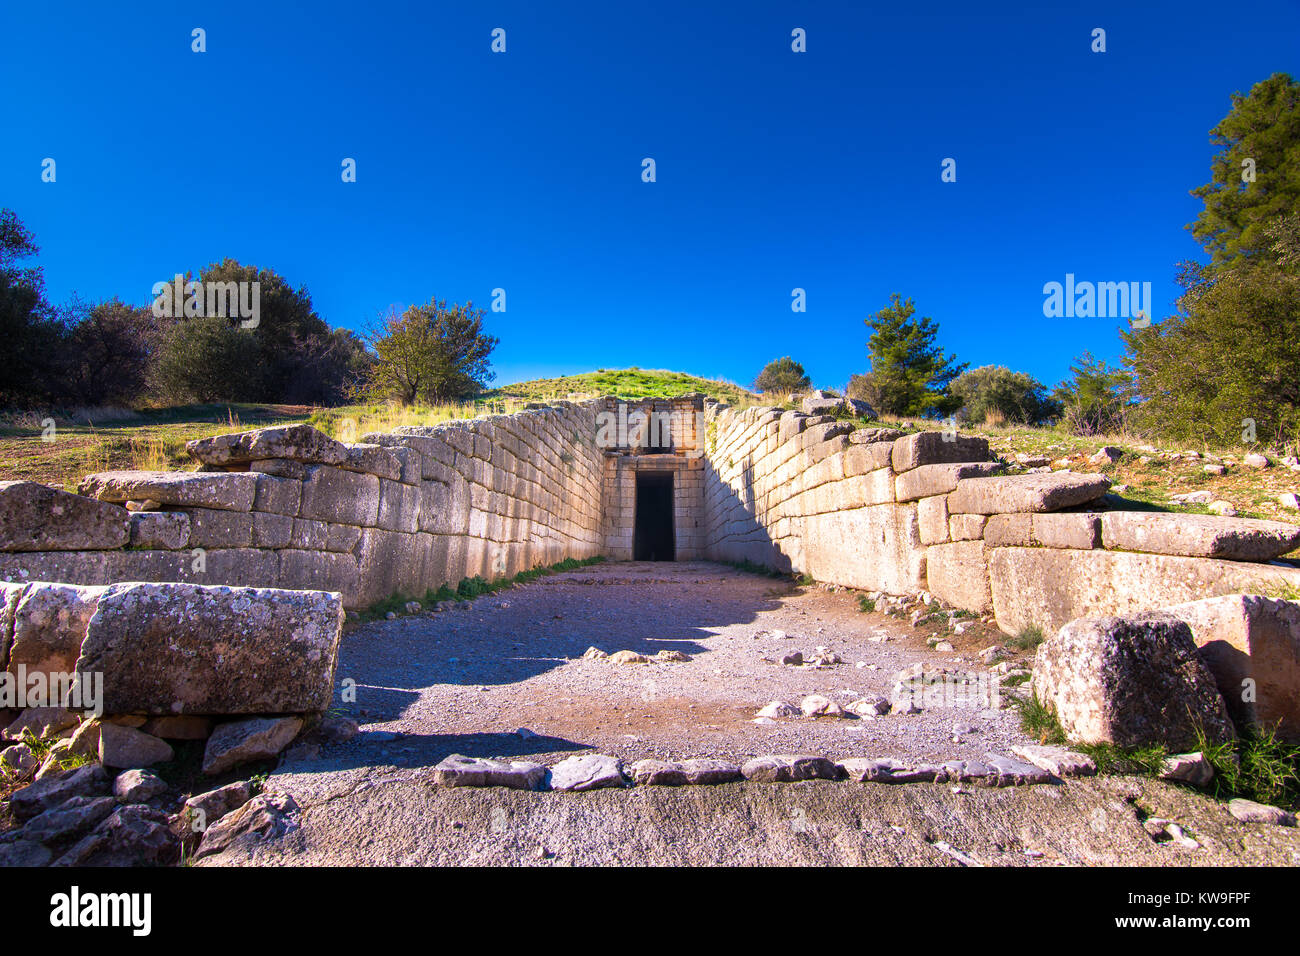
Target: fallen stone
column 706, row 771
column 594, row 654
column 1248, row 811
column 133, row 835
column 1025, row 493
column 671, row 657
column 460, row 771
column 339, row 730
column 1106, row 455
column 1060, row 761
column 658, row 773
column 26, row 853
column 300, row 443
column 628, row 657
column 786, row 769
column 126, row 748
column 869, row 707
column 991, row 655
column 40, row 722
column 137, row 786
column 816, row 705
column 265, row 817
column 70, row 818
column 1290, row 500
column 1255, row 461
column 1199, row 536
column 34, row 517
column 586, row 772
column 238, row 742
column 86, row 781
column 1009, row 772
column 220, row 491
column 169, row 648
column 1191, row 768
column 18, row 761
column 777, row 708
column 211, row 806
column 793, row 659
column 1134, row 681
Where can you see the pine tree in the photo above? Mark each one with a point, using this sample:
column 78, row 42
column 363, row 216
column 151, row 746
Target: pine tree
column 909, row 372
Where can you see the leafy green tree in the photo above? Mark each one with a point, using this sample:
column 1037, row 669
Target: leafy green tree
column 1260, row 138
column 109, row 349
column 995, row 393
column 32, row 336
column 1096, row 399
column 909, row 372
column 782, row 375
column 430, row 353
column 207, row 360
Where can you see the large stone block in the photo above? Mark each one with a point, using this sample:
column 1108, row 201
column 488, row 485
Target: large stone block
column 293, row 442
column 49, row 625
column 373, row 460
column 875, row 548
column 225, row 491
column 346, row 497
column 1035, row 493
column 320, row 571
column 1131, row 681
column 34, row 517
column 271, row 531
column 10, row 596
column 210, row 528
column 1082, row 531
column 934, row 448
column 164, row 530
column 399, row 506
column 190, row 649
column 926, row 480
column 957, row 573
column 932, row 517
column 1048, row 587
column 280, row 496
column 1252, row 646
column 1201, row 536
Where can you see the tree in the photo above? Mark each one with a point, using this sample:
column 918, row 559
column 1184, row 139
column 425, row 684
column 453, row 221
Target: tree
column 207, row 360
column 782, row 375
column 1255, row 178
column 108, row 355
column 30, row 331
column 429, row 352
column 993, row 392
column 909, row 372
column 1096, row 399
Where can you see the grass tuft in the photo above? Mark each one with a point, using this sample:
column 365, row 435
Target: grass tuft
column 1028, row 639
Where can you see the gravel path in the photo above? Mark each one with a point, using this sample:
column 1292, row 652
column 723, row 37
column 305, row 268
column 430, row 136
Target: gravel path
column 464, row 680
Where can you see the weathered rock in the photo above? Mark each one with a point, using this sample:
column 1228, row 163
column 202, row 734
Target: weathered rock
column 1199, row 536
column 18, row 761
column 1060, row 761
column 11, row 596
column 161, row 530
column 127, row 748
column 1009, row 772
column 138, row 786
column 1081, row 531
column 628, row 657
column 785, row 769
column 24, row 853
column 1106, row 455
column 816, row 705
column 184, row 727
column 373, row 460
column 49, row 626
column 933, row 448
column 265, row 817
column 1248, row 811
column 133, row 835
column 927, row 480
column 70, row 818
column 339, row 730
column 225, row 491
column 707, row 771
column 587, row 772
column 793, row 659
column 346, row 497
column 460, row 771
column 207, row 808
column 245, row 740
column 1134, row 682
column 660, row 773
column 300, row 443
column 86, row 781
column 34, row 517
column 888, row 770
column 1025, row 493
column 40, row 722
column 869, row 707
column 777, row 708
column 957, row 573
column 1255, row 461
column 194, row 649
column 1192, row 768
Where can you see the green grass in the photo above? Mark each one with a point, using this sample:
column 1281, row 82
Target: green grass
column 469, row 588
column 1028, row 639
column 1257, row 766
column 866, row 604
column 624, row 383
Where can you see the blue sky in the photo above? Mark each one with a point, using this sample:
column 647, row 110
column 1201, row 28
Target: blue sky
column 522, row 170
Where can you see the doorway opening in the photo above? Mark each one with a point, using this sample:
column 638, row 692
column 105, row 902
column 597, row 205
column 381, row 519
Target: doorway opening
column 652, row 535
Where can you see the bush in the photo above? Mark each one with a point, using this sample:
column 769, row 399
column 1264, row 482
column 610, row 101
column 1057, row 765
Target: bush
column 782, row 375
column 1096, row 401
column 993, row 394
column 206, row 360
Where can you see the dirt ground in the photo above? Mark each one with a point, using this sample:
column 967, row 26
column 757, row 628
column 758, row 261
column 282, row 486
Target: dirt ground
column 464, row 681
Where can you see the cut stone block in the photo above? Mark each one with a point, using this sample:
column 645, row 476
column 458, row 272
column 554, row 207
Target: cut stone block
column 281, row 496
column 461, row 771
column 1034, row 493
column 957, row 573
column 34, row 517
column 225, row 491
column 346, row 497
column 210, row 528
column 932, row 518
column 927, row 480
column 373, row 460
column 49, row 625
column 161, row 530
column 1080, row 531
column 933, row 448
column 293, row 442
column 1199, row 536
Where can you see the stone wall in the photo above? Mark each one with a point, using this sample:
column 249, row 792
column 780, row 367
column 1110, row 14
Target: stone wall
column 291, row 508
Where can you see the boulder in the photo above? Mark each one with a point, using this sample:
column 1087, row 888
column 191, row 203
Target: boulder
column 658, row 773
column 70, row 818
column 89, row 780
column 223, row 491
column 785, row 769
column 132, row 835
column 34, row 517
column 265, row 817
column 41, row 722
column 242, row 741
column 1251, row 645
column 461, row 771
column 587, row 772
column 1193, row 769
column 1025, row 493
column 25, row 853
column 1131, row 681
column 193, row 649
column 1198, row 536
column 126, row 748
column 49, row 627
column 1248, row 811
column 209, row 807
column 138, row 786
column 300, row 443
column 816, row 705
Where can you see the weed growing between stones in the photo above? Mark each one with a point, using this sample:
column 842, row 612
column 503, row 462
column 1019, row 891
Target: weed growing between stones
column 470, row 588
column 1039, row 721
column 1257, row 766
column 1028, row 639
column 866, row 604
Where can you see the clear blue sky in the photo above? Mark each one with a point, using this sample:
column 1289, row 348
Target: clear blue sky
column 522, row 170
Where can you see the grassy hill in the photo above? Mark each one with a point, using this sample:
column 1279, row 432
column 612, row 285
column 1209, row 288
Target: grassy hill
column 623, row 383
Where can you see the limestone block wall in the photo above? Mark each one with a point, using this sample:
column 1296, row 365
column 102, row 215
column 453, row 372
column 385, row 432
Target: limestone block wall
column 291, row 508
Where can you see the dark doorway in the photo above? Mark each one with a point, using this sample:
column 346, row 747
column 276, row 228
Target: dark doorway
column 652, row 537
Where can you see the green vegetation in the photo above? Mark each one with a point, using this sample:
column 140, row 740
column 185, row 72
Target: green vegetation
column 782, row 375
column 909, row 374
column 1257, row 766
column 470, row 588
column 866, row 604
column 1028, row 639
column 995, row 394
column 623, row 383
column 430, row 353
